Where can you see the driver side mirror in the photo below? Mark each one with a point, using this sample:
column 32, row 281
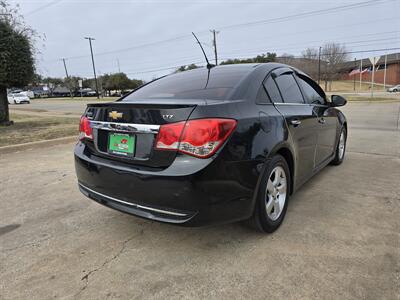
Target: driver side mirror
column 337, row 100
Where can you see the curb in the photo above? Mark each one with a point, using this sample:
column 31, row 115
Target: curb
column 34, row 145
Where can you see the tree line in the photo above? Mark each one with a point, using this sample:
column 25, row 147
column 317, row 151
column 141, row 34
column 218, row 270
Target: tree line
column 107, row 83
column 324, row 64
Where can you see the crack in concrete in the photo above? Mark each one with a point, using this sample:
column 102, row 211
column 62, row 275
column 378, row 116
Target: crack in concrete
column 33, row 243
column 106, row 262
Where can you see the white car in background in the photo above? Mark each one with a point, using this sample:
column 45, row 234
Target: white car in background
column 18, row 98
column 394, row 89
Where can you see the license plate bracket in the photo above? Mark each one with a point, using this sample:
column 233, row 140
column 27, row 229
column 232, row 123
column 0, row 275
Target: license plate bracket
column 121, row 144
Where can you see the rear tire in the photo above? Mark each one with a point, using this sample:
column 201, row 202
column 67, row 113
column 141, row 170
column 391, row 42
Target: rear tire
column 340, row 148
column 273, row 196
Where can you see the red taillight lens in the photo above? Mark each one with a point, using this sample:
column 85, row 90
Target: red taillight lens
column 85, row 131
column 199, row 138
column 169, row 135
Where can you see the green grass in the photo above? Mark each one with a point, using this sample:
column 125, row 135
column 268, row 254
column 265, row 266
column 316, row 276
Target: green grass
column 348, row 86
column 367, row 98
column 28, row 128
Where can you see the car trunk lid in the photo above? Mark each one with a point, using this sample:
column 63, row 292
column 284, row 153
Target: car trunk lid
column 126, row 131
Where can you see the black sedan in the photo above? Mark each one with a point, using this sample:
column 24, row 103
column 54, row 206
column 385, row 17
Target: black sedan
column 210, row 145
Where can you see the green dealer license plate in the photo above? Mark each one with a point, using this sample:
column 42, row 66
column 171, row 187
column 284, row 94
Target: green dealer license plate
column 121, row 144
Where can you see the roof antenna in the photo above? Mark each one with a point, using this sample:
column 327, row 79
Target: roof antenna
column 209, row 66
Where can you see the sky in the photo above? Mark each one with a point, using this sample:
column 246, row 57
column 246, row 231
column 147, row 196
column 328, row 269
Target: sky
column 148, row 39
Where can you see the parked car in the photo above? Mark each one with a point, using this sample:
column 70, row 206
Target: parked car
column 40, row 92
column 29, row 94
column 394, row 89
column 212, row 145
column 18, row 98
column 61, row 91
column 85, row 92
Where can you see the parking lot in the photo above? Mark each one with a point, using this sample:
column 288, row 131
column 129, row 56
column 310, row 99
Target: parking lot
column 340, row 238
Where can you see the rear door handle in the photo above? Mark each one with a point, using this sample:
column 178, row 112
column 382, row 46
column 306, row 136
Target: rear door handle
column 295, row 122
column 321, row 120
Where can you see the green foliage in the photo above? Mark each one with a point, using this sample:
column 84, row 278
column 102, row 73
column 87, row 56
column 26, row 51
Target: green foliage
column 16, row 56
column 119, row 81
column 52, row 80
column 186, row 68
column 263, row 58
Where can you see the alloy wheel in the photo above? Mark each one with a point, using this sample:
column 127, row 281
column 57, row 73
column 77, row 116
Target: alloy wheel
column 275, row 196
column 342, row 144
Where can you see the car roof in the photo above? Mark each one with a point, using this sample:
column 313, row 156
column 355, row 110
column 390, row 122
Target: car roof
column 251, row 83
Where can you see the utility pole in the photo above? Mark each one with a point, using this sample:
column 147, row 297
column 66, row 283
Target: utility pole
column 65, row 68
column 94, row 69
column 354, row 79
column 119, row 68
column 66, row 73
column 361, row 72
column 373, row 77
column 384, row 74
column 319, row 65
column 214, row 32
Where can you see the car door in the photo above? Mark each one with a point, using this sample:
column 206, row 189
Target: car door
column 299, row 117
column 326, row 119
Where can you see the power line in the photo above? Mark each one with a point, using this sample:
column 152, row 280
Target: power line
column 265, row 21
column 132, row 48
column 296, row 33
column 307, row 14
column 278, row 57
column 40, row 8
column 143, row 71
column 308, row 44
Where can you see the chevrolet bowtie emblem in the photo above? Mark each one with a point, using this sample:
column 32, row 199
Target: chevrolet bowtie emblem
column 115, row 115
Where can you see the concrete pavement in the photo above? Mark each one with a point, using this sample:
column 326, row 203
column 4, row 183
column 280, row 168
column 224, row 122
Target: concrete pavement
column 340, row 238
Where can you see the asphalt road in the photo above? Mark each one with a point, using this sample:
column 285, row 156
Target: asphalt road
column 55, row 106
column 340, row 238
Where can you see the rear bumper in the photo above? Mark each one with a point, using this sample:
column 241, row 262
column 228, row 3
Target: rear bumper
column 210, row 192
column 162, row 215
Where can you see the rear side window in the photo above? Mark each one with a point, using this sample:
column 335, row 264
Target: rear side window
column 272, row 90
column 289, row 89
column 262, row 96
column 311, row 95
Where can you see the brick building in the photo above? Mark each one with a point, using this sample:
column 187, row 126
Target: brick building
column 392, row 70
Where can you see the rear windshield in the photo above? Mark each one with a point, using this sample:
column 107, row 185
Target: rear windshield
column 193, row 85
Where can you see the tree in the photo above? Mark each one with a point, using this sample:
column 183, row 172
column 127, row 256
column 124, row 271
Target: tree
column 286, row 58
column 135, row 83
column 333, row 56
column 16, row 56
column 72, row 83
column 310, row 62
column 263, row 58
column 119, row 82
column 186, row 68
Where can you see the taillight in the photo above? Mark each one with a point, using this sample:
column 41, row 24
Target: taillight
column 85, row 131
column 200, row 138
column 169, row 135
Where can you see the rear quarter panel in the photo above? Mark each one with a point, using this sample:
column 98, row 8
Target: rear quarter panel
column 260, row 132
